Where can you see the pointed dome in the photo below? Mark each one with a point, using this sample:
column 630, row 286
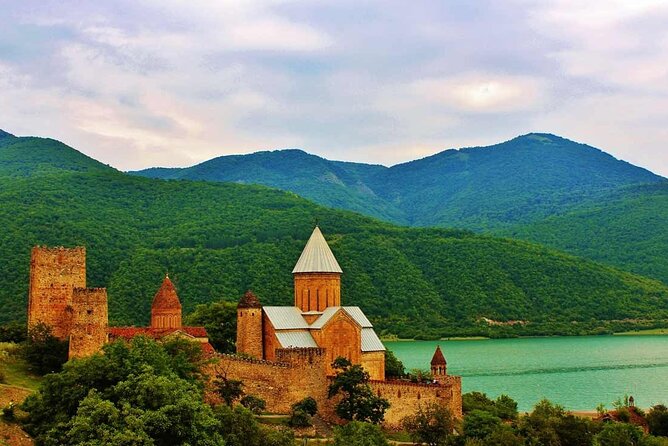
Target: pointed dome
column 166, row 297
column 317, row 257
column 249, row 300
column 438, row 358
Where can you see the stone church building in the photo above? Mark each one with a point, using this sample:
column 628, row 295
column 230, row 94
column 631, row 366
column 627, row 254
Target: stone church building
column 317, row 319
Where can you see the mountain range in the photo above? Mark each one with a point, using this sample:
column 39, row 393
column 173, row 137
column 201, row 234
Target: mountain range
column 219, row 239
column 537, row 187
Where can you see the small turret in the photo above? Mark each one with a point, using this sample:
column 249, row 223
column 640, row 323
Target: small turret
column 166, row 307
column 438, row 364
column 249, row 326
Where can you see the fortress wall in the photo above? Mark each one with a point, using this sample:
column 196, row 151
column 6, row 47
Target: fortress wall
column 300, row 373
column 406, row 398
column 90, row 325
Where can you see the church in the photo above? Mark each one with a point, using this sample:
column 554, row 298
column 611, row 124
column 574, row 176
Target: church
column 316, row 320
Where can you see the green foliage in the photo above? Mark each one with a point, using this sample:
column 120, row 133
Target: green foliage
column 8, row 413
column 229, row 390
column 309, row 405
column 657, row 418
column 220, row 320
column 432, row 424
column 13, row 332
column 239, row 428
column 358, row 433
column 619, row 434
column 480, row 424
column 44, row 352
column 218, row 240
column 132, row 393
column 253, row 403
column 549, row 424
column 358, row 402
column 394, row 368
column 299, row 418
column 504, row 407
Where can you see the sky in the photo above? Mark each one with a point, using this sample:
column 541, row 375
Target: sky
column 136, row 84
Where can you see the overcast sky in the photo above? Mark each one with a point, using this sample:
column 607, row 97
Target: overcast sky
column 147, row 83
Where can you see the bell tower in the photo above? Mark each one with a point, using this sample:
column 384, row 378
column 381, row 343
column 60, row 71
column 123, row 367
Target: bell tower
column 166, row 307
column 249, row 326
column 317, row 276
column 438, row 364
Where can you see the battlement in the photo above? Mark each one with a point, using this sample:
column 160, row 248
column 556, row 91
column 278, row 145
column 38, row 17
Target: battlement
column 99, row 294
column 249, row 360
column 303, row 357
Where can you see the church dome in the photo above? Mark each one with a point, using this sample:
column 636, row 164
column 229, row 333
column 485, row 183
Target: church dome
column 166, row 297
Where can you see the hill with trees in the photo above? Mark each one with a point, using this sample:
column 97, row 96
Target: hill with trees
column 218, row 240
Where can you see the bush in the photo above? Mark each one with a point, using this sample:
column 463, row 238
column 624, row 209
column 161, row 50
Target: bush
column 657, row 418
column 299, row 418
column 357, row 433
column 43, row 351
column 13, row 332
column 254, row 404
column 9, row 412
column 308, row 405
column 432, row 425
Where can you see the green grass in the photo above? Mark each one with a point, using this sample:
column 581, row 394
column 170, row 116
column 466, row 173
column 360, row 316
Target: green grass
column 15, row 370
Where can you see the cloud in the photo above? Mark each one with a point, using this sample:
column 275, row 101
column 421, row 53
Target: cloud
column 167, row 82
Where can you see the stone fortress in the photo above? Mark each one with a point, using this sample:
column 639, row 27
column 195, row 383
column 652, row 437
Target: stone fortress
column 284, row 354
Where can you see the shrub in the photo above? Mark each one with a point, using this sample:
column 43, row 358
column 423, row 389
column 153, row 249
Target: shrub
column 9, row 412
column 357, row 433
column 308, row 405
column 299, row 418
column 254, row 404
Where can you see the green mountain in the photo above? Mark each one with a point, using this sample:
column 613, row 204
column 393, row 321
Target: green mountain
column 484, row 188
column 537, row 187
column 217, row 240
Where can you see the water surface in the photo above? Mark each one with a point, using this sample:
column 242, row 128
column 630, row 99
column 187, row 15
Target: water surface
column 576, row 372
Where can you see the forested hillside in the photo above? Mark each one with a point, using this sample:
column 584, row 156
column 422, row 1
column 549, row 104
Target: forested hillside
column 217, row 240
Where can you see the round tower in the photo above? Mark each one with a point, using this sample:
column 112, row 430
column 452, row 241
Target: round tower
column 249, row 326
column 317, row 276
column 438, row 364
column 166, row 307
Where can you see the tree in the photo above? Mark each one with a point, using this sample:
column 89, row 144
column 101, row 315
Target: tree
column 13, row 332
column 61, row 394
column 220, row 320
column 358, row 403
column 239, row 428
column 657, row 418
column 432, row 424
column 43, row 351
column 254, row 404
column 358, row 433
column 619, row 434
column 228, row 389
column 308, row 405
column 394, row 368
column 480, row 424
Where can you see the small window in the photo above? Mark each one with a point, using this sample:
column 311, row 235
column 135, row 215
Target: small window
column 89, row 312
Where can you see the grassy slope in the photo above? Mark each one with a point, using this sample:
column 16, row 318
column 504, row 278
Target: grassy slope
column 217, row 240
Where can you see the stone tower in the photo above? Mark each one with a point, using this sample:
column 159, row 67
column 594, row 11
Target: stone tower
column 90, row 325
column 438, row 364
column 54, row 274
column 249, row 326
column 317, row 276
column 166, row 307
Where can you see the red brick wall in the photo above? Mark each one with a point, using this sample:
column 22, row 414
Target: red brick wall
column 90, row 326
column 317, row 291
column 341, row 336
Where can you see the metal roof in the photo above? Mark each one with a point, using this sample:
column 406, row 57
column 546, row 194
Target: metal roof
column 285, row 318
column 316, row 256
column 326, row 316
column 355, row 312
column 371, row 342
column 298, row 339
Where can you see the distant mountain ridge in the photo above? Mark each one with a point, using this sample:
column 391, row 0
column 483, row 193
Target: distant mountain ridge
column 219, row 240
column 482, row 188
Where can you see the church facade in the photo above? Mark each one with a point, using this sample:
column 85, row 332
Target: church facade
column 316, row 320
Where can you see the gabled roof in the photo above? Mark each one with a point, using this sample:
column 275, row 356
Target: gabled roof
column 438, row 358
column 166, row 297
column 317, row 257
column 296, row 339
column 370, row 341
column 285, row 318
column 354, row 312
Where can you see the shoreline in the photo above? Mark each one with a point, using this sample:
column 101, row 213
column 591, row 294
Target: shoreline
column 650, row 332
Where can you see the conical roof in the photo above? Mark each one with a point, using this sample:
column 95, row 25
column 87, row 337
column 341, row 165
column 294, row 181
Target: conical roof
column 249, row 300
column 317, row 257
column 166, row 297
column 438, row 358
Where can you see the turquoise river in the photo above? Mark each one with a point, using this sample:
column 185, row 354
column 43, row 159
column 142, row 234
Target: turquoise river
column 576, row 372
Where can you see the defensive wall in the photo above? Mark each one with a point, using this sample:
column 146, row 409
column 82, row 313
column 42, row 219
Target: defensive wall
column 300, row 372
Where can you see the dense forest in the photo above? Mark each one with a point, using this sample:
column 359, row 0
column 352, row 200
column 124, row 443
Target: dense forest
column 218, row 240
column 537, row 187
